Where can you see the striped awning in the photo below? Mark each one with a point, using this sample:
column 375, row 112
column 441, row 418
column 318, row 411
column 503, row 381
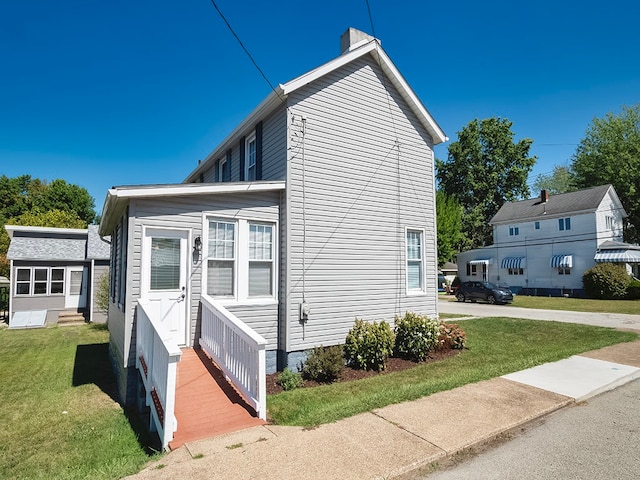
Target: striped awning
column 480, row 261
column 618, row 256
column 514, row 262
column 561, row 261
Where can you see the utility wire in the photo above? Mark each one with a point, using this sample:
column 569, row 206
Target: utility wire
column 255, row 64
column 373, row 30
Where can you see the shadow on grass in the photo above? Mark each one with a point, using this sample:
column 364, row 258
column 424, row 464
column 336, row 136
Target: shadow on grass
column 92, row 366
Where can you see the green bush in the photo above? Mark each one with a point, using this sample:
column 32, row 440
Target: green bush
column 607, row 281
column 289, row 380
column 323, row 364
column 451, row 336
column 416, row 335
column 633, row 290
column 368, row 345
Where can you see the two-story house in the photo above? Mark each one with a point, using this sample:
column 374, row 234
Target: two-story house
column 317, row 208
column 543, row 245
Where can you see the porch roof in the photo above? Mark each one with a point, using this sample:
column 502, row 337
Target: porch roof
column 118, row 197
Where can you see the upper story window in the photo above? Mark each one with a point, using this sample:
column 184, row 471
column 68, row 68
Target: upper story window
column 610, row 222
column 514, row 230
column 250, row 149
column 564, row 224
column 536, row 225
column 224, row 173
column 415, row 261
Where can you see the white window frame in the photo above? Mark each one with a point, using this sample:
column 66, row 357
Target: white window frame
column 32, row 281
column 242, row 260
column 514, row 230
column 250, row 168
column 234, row 259
column 421, row 261
column 564, row 270
column 270, row 261
column 536, row 225
column 221, row 164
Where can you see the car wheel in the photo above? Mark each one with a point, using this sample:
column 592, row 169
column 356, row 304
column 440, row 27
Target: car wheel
column 491, row 299
column 460, row 297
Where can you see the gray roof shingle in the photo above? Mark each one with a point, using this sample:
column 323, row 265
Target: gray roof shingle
column 565, row 203
column 97, row 248
column 29, row 248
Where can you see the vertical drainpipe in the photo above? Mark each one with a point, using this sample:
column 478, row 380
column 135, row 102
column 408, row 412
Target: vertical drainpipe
column 11, row 284
column 91, row 285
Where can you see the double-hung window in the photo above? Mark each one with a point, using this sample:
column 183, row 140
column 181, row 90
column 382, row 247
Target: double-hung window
column 221, row 264
column 250, row 150
column 23, row 281
column 260, row 260
column 241, row 260
column 415, row 261
column 514, row 230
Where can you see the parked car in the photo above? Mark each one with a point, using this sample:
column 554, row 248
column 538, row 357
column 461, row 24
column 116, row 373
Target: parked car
column 486, row 291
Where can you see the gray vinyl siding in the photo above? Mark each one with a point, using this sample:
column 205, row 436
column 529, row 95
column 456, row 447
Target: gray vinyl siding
column 274, row 146
column 187, row 213
column 361, row 196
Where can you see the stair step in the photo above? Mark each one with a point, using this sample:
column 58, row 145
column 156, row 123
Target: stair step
column 70, row 318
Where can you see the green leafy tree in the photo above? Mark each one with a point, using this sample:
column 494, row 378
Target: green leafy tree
column 610, row 153
column 485, row 168
column 60, row 195
column 559, row 181
column 449, row 224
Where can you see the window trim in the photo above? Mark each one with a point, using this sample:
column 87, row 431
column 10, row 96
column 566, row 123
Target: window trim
column 514, row 230
column 421, row 261
column 241, row 266
column 32, row 281
column 536, row 225
column 247, row 162
column 564, row 224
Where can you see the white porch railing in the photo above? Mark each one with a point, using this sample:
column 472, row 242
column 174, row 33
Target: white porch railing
column 157, row 357
column 238, row 350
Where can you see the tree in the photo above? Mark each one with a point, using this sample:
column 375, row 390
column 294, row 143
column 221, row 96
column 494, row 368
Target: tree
column 449, row 225
column 485, row 168
column 559, row 181
column 60, row 195
column 610, row 153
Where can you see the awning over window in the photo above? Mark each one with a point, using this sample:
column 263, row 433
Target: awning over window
column 618, row 256
column 561, row 261
column 483, row 261
column 514, row 262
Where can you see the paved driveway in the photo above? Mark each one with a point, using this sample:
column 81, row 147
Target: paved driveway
column 613, row 320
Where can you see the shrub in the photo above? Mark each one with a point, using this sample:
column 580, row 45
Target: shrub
column 606, row 281
column 323, row 364
column 633, row 290
column 368, row 345
column 416, row 335
column 289, row 380
column 102, row 294
column 451, row 336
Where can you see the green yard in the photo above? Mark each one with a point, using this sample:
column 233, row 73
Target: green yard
column 59, row 417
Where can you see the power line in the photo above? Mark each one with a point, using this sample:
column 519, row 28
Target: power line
column 255, row 64
column 373, row 30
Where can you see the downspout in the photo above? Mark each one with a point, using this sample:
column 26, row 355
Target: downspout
column 92, row 285
column 11, row 289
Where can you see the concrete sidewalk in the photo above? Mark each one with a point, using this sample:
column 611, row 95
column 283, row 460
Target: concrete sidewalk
column 399, row 438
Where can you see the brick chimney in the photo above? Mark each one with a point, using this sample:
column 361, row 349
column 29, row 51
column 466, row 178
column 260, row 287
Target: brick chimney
column 353, row 38
column 544, row 196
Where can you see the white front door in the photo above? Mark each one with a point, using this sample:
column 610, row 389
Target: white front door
column 76, row 291
column 164, row 279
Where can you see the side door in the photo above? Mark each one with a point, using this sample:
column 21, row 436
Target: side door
column 165, row 272
column 76, row 290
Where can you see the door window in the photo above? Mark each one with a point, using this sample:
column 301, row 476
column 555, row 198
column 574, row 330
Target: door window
column 165, row 264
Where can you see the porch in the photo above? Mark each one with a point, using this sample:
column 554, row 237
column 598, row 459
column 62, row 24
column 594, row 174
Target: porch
column 202, row 392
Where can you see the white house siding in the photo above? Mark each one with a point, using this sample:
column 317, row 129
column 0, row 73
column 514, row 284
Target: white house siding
column 606, row 209
column 187, row 213
column 274, row 150
column 360, row 194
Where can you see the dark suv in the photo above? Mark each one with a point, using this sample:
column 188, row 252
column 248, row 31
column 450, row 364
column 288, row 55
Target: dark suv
column 486, row 291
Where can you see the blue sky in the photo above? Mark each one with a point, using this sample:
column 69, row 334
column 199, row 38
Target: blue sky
column 123, row 92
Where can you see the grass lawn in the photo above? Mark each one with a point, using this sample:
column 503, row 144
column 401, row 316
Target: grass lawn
column 578, row 304
column 496, row 346
column 59, row 417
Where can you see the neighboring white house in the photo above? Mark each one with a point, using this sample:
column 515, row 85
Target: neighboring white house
column 55, row 274
column 317, row 209
column 543, row 246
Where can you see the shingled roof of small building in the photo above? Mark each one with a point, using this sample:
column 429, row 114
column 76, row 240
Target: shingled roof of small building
column 581, row 201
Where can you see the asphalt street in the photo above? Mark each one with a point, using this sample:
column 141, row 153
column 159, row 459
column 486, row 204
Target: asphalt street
column 596, row 439
column 613, row 320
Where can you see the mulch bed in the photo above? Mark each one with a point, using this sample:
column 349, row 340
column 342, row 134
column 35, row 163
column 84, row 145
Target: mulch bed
column 349, row 374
